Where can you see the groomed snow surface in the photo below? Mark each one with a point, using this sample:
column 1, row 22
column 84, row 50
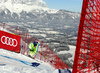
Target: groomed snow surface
column 11, row 62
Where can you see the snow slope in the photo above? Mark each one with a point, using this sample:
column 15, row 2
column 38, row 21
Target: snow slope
column 11, row 62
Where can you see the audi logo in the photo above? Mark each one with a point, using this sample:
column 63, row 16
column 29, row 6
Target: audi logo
column 9, row 41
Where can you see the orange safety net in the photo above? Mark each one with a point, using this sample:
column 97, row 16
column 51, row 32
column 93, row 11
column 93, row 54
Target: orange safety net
column 87, row 55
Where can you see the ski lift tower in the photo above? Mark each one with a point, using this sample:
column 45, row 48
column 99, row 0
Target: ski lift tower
column 87, row 54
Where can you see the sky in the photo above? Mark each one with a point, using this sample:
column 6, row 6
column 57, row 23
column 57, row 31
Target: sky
column 70, row 5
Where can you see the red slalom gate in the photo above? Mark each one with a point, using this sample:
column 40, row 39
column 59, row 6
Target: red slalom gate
column 87, row 55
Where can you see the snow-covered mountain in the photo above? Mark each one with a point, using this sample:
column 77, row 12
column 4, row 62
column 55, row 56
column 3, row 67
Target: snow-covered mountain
column 35, row 11
column 18, row 6
column 26, row 2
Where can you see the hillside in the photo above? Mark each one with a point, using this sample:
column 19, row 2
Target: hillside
column 57, row 28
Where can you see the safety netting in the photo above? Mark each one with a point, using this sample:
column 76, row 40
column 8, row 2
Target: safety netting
column 87, row 55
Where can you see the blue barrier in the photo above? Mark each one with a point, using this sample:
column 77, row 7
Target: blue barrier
column 64, row 71
column 33, row 64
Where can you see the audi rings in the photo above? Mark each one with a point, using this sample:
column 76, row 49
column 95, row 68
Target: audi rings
column 9, row 41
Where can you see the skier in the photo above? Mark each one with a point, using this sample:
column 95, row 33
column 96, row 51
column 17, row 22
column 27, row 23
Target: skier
column 33, row 47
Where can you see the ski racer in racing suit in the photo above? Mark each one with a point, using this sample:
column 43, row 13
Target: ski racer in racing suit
column 33, row 47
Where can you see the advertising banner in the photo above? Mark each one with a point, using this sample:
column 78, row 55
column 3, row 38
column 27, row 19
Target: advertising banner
column 9, row 41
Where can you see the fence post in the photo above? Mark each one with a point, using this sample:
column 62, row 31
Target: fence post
column 27, row 43
column 3, row 25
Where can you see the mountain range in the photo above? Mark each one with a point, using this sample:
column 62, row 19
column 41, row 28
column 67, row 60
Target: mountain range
column 35, row 12
column 57, row 28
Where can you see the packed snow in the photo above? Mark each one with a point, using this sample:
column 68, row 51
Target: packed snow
column 11, row 62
